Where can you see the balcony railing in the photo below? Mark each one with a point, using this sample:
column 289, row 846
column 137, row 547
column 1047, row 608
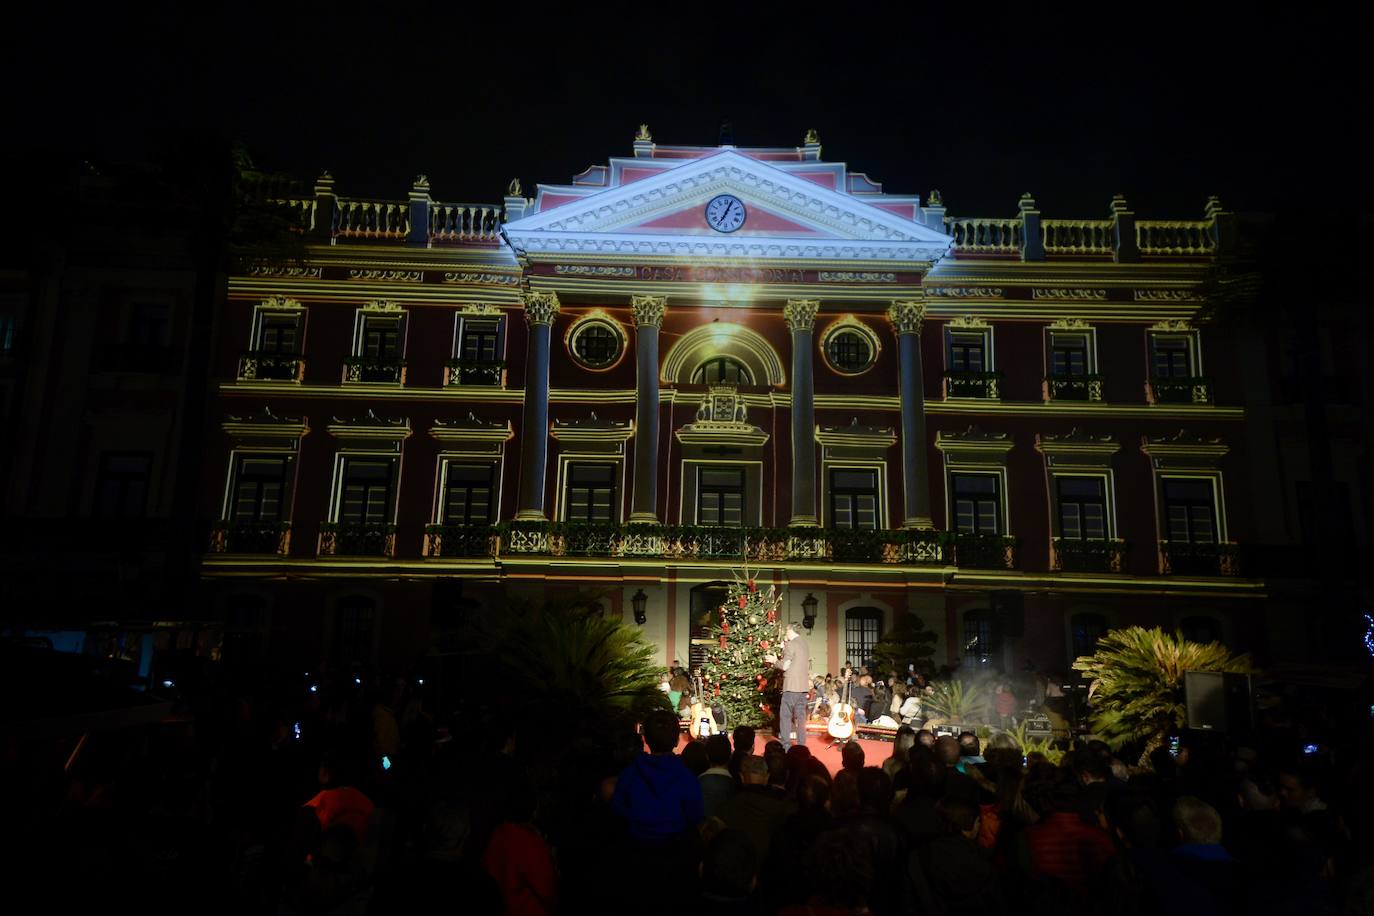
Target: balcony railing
column 1078, row 236
column 463, row 372
column 1073, row 387
column 382, row 369
column 357, row 539
column 973, row 385
column 1183, row 390
column 461, row 541
column 1184, row 558
column 251, row 537
column 985, row 551
column 1073, row 555
column 562, row 539
column 259, row 366
column 985, row 236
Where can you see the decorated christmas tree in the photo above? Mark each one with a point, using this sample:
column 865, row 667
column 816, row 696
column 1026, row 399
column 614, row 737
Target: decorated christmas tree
column 735, row 675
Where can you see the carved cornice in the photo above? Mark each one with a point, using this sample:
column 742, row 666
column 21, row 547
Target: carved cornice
column 648, row 310
column 484, row 278
column 1164, row 295
column 540, row 307
column 722, row 419
column 906, row 315
column 1070, row 324
column 854, row 435
column 965, row 292
column 280, row 303
column 1173, row 324
column 370, row 426
column 801, row 314
column 968, row 321
column 265, row 424
column 386, row 276
column 592, row 429
column 974, row 445
column 1184, row 450
column 382, row 305
column 471, row 429
column 1076, row 445
column 1075, row 294
column 285, row 270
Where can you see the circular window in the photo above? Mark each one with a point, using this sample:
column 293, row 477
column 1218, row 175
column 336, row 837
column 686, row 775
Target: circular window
column 596, row 344
column 849, row 350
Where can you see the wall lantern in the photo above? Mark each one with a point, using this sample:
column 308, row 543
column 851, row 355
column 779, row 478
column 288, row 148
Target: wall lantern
column 809, row 610
column 638, row 601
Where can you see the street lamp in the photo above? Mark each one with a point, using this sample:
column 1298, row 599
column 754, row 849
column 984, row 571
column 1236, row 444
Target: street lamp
column 638, row 601
column 809, row 610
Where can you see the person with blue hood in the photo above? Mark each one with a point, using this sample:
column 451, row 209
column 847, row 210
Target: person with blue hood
column 657, row 795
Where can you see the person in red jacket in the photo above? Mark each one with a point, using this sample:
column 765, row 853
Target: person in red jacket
column 1065, row 847
column 339, row 803
column 519, row 860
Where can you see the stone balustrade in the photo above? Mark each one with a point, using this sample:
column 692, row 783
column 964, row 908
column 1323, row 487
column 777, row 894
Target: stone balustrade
column 464, row 223
column 371, row 219
column 1078, row 236
column 980, row 235
column 1175, row 238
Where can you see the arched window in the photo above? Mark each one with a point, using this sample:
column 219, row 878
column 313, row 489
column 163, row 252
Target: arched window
column 722, row 370
column 354, row 625
column 982, row 638
column 1087, row 629
column 862, row 627
column 705, row 610
column 1199, row 628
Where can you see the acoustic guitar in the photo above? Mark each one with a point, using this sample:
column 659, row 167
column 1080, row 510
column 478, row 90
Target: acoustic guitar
column 841, row 725
column 703, row 720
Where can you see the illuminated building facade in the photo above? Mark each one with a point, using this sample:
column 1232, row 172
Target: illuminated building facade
column 691, row 358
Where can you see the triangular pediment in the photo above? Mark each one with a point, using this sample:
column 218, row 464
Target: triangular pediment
column 789, row 216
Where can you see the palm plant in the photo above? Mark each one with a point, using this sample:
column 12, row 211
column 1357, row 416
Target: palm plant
column 1029, row 745
column 1136, row 687
column 955, row 702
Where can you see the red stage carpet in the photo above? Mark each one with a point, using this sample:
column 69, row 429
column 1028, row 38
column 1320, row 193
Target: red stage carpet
column 824, row 748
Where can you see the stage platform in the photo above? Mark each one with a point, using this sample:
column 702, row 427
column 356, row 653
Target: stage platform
column 876, row 743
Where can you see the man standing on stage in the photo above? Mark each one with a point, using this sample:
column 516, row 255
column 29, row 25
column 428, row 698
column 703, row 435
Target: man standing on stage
column 796, row 681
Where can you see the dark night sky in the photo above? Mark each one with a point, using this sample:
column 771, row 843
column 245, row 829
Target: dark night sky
column 1072, row 106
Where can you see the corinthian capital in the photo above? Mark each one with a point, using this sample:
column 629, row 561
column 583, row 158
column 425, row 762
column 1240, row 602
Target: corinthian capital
column 906, row 315
column 801, row 313
column 648, row 310
column 540, row 308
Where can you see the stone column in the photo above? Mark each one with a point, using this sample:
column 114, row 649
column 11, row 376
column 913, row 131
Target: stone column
column 906, row 316
column 648, row 312
column 540, row 309
column 801, row 321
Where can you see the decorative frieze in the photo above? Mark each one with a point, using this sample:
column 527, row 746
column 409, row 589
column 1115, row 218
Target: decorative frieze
column 968, row 321
column 481, row 278
column 594, row 270
column 1095, row 295
column 849, row 276
column 285, row 271
column 386, row 276
column 1164, row 295
column 966, row 292
column 280, row 303
column 1173, row 324
column 1070, row 324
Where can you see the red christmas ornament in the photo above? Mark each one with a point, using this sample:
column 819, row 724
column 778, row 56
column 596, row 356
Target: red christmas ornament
column 742, row 602
column 752, row 586
column 763, row 644
column 772, row 616
column 725, row 627
column 722, row 642
column 717, row 693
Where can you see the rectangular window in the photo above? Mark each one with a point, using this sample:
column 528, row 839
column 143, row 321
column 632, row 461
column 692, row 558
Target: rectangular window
column 854, row 498
column 720, row 497
column 478, row 339
column 861, row 631
column 977, row 503
column 1171, row 356
column 149, row 324
column 1068, row 355
column 967, row 352
column 366, row 490
column 380, row 337
column 469, row 491
column 1190, row 510
column 279, row 332
column 591, row 493
column 121, row 489
column 260, row 487
column 1082, row 508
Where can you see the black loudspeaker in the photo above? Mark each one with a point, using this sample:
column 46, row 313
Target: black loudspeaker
column 1011, row 610
column 1218, row 701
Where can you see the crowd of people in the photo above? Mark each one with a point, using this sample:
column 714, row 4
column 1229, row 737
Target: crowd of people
column 353, row 797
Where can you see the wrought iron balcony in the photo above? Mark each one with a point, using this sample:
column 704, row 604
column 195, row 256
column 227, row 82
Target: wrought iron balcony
column 985, row 551
column 357, row 539
column 463, row 372
column 1073, row 387
column 1181, row 390
column 973, row 385
column 562, row 539
column 377, row 369
column 251, row 537
column 260, row 366
column 1184, row 558
column 460, row 541
column 1073, row 555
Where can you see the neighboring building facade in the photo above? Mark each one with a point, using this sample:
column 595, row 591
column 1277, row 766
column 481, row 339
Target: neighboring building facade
column 695, row 357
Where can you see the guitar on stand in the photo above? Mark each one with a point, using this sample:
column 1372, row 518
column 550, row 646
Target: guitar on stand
column 841, row 725
column 703, row 720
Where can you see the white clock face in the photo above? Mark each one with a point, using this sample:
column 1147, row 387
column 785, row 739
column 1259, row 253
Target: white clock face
column 725, row 213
